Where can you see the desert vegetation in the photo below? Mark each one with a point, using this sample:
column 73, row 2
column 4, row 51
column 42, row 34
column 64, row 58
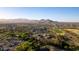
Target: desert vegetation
column 43, row 35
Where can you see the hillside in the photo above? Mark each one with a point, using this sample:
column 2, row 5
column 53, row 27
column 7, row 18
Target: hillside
column 38, row 35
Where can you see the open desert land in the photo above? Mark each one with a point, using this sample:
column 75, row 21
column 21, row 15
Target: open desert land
column 43, row 35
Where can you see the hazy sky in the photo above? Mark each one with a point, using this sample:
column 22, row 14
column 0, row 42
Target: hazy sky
column 53, row 13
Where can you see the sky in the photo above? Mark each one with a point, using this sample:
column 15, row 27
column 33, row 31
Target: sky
column 64, row 14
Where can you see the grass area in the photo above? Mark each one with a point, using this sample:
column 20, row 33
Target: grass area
column 76, row 31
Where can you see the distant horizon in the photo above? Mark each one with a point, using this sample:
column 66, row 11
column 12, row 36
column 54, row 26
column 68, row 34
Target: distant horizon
column 13, row 19
column 60, row 14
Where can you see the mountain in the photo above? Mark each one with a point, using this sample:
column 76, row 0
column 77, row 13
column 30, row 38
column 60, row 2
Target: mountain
column 16, row 21
column 24, row 21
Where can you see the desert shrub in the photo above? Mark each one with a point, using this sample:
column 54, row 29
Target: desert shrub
column 23, row 36
column 24, row 46
column 77, row 48
column 10, row 34
column 55, row 41
column 1, row 49
column 36, row 44
column 44, row 48
column 30, row 44
column 63, row 41
column 30, row 39
column 73, row 48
